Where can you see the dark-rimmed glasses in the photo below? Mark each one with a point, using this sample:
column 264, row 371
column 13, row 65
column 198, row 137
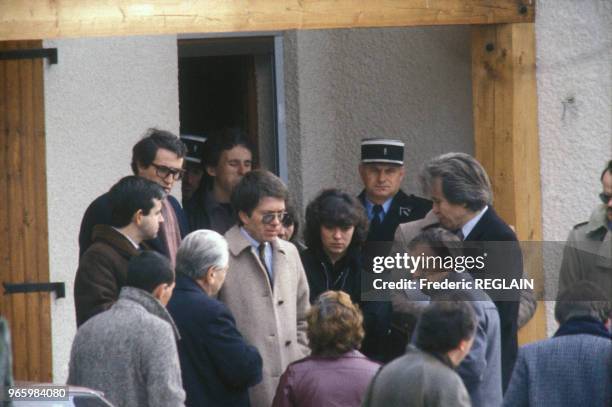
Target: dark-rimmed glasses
column 163, row 172
column 605, row 198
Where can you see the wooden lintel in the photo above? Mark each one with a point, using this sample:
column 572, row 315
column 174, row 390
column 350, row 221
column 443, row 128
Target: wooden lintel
column 43, row 19
column 506, row 139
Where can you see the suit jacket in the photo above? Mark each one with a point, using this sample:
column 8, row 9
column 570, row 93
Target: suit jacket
column 99, row 213
column 404, row 208
column 504, row 260
column 217, row 364
column 271, row 317
column 564, row 371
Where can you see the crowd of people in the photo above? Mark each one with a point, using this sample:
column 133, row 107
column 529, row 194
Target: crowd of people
column 221, row 302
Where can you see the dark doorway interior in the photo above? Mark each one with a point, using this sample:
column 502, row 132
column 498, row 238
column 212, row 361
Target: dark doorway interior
column 226, row 82
column 216, row 92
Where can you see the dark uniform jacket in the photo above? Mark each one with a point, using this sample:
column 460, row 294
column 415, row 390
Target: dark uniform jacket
column 99, row 213
column 217, row 363
column 404, row 208
column 102, row 272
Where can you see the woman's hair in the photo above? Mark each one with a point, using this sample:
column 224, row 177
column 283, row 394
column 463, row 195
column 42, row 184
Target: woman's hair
column 335, row 324
column 333, row 207
column 292, row 219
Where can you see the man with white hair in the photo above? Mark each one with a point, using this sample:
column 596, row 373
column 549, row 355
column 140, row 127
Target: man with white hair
column 218, row 365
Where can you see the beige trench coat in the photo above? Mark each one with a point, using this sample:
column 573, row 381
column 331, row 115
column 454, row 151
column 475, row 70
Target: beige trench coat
column 588, row 254
column 273, row 320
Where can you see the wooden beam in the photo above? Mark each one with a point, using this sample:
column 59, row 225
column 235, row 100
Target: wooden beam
column 43, row 19
column 506, row 139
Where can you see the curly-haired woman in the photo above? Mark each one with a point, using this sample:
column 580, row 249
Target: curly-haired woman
column 336, row 373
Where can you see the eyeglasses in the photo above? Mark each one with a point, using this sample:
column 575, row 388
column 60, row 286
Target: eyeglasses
column 269, row 217
column 163, row 172
column 605, row 198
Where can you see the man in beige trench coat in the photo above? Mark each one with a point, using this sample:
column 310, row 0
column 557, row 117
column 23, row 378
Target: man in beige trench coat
column 266, row 287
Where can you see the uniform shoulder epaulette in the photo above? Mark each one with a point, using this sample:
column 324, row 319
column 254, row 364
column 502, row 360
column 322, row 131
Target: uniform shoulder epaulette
column 580, row 224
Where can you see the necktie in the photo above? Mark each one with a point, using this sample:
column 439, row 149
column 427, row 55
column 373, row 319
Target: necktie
column 261, row 249
column 376, row 211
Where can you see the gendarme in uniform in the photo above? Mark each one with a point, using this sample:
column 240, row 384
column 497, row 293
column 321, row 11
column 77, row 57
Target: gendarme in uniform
column 387, row 206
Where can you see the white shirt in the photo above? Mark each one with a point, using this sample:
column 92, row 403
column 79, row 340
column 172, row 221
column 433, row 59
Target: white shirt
column 136, row 245
column 468, row 227
column 255, row 250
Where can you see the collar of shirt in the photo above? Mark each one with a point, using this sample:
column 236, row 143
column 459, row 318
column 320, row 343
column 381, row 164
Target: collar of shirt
column 468, row 227
column 128, row 238
column 370, row 207
column 255, row 247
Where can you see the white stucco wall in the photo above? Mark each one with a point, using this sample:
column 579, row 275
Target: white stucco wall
column 574, row 61
column 99, row 100
column 413, row 84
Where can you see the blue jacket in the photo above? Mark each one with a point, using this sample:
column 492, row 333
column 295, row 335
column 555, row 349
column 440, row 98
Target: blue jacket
column 570, row 370
column 99, row 213
column 481, row 369
column 217, row 364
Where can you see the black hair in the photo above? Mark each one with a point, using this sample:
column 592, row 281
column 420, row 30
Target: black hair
column 292, row 219
column 143, row 152
column 331, row 208
column 221, row 140
column 129, row 195
column 216, row 143
column 443, row 325
column 253, row 187
column 148, row 270
column 583, row 298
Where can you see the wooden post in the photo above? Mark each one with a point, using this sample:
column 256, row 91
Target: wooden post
column 506, row 138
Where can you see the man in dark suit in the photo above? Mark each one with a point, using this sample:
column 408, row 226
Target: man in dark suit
column 218, row 365
column 461, row 193
column 158, row 157
column 382, row 171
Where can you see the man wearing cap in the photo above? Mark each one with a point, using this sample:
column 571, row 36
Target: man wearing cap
column 382, row 171
column 194, row 171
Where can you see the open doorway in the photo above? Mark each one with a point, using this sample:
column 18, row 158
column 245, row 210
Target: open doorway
column 230, row 82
